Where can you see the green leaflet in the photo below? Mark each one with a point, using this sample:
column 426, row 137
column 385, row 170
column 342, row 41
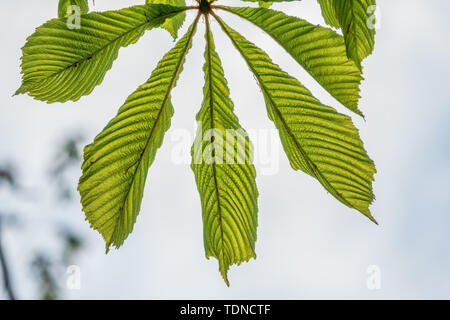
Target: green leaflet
column 328, row 12
column 354, row 18
column 225, row 177
column 316, row 139
column 65, row 4
column 116, row 164
column 265, row 4
column 319, row 50
column 172, row 24
column 60, row 64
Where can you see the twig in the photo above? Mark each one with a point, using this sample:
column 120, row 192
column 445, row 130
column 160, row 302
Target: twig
column 5, row 270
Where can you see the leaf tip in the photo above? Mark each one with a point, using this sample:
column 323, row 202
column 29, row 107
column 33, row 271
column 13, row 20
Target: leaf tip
column 174, row 35
column 225, row 278
column 223, row 268
column 107, row 247
column 371, row 218
column 21, row 90
column 360, row 113
column 366, row 212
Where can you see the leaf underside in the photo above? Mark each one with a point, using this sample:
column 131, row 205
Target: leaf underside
column 225, row 177
column 64, row 7
column 116, row 164
column 316, row 139
column 354, row 18
column 60, row 64
column 320, row 51
column 173, row 24
column 329, row 13
column 265, row 4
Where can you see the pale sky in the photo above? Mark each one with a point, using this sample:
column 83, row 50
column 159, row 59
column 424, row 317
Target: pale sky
column 309, row 245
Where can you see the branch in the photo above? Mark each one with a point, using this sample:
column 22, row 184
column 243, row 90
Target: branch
column 5, row 270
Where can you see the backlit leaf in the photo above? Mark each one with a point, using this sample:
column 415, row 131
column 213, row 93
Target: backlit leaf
column 316, row 139
column 319, row 50
column 221, row 161
column 174, row 23
column 61, row 64
column 116, row 164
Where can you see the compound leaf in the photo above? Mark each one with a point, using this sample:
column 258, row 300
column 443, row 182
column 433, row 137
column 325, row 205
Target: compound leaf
column 116, row 164
column 61, row 64
column 172, row 24
column 320, row 51
column 316, row 139
column 225, row 177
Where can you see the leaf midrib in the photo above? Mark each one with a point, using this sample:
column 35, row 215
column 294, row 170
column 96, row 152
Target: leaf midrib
column 211, row 107
column 158, row 117
column 34, row 84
